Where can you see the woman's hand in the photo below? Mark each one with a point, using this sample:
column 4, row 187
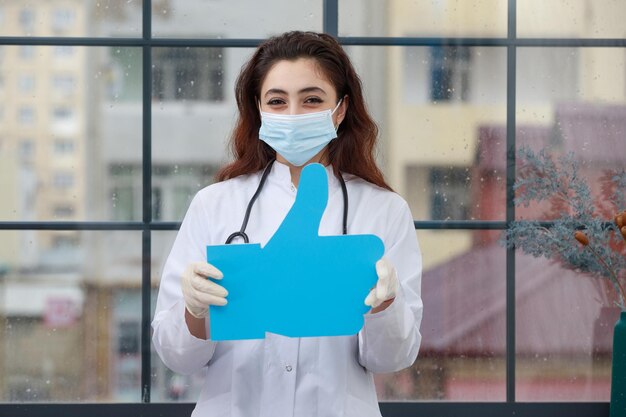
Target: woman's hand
column 382, row 295
column 200, row 292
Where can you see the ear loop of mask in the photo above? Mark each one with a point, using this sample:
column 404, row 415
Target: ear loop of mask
column 333, row 112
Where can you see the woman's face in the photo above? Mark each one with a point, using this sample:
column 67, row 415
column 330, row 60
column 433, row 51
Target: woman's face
column 297, row 87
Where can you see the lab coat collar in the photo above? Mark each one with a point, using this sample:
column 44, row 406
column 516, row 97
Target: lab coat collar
column 281, row 175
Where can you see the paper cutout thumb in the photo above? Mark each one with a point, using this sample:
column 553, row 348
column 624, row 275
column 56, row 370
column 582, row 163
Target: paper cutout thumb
column 300, row 284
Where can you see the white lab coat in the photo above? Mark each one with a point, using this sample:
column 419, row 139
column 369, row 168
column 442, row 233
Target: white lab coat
column 280, row 376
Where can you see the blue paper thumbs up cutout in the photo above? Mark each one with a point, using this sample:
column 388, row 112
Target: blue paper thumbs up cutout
column 300, row 284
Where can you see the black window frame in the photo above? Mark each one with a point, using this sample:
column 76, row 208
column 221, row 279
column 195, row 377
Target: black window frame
column 146, row 42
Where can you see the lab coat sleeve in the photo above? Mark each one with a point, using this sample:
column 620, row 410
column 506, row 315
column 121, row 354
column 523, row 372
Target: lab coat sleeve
column 389, row 340
column 176, row 346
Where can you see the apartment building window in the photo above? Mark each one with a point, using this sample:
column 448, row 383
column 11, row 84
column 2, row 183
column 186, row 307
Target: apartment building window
column 157, row 203
column 188, row 74
column 63, row 180
column 27, row 149
column 450, row 73
column 123, row 203
column 63, row 147
column 63, row 211
column 26, row 83
column 26, row 116
column 125, row 192
column 450, row 198
column 27, row 52
column 27, row 19
column 62, row 114
column 62, row 19
column 128, row 338
column 63, row 51
column 62, row 241
column 64, row 84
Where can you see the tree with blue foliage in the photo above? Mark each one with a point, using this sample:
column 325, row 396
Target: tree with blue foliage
column 579, row 234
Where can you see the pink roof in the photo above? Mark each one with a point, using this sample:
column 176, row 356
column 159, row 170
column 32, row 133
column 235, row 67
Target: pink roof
column 491, row 151
column 594, row 132
column 558, row 310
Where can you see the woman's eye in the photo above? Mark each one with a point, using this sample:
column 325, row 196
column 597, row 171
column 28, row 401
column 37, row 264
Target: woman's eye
column 275, row 102
column 313, row 100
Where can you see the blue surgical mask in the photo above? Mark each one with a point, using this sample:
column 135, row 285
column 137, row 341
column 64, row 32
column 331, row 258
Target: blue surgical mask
column 298, row 137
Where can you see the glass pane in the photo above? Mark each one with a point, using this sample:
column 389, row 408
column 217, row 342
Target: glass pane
column 462, row 356
column 168, row 386
column 193, row 114
column 564, row 333
column 225, row 19
column 71, row 19
column 423, row 18
column 72, row 125
column 70, row 316
column 573, row 100
column 570, row 102
column 571, row 19
column 440, row 110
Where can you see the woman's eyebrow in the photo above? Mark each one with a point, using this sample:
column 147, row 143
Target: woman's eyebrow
column 312, row 90
column 275, row 91
column 304, row 90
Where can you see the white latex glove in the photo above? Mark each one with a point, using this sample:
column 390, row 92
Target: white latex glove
column 386, row 286
column 200, row 292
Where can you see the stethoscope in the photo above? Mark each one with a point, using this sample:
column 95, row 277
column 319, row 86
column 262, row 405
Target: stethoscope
column 242, row 232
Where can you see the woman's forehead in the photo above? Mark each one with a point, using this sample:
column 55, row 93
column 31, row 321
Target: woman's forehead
column 295, row 75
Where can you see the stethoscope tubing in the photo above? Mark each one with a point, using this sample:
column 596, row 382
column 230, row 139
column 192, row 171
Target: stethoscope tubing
column 242, row 232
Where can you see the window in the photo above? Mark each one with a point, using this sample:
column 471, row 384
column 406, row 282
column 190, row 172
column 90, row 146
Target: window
column 128, row 338
column 63, row 51
column 157, row 203
column 449, row 193
column 62, row 114
column 64, row 84
column 26, row 116
column 188, row 74
column 125, row 194
column 27, row 20
column 182, row 195
column 432, row 123
column 27, row 149
column 63, row 211
column 450, row 66
column 26, row 83
column 27, row 52
column 63, row 147
column 62, row 241
column 123, row 203
column 62, row 19
column 63, row 180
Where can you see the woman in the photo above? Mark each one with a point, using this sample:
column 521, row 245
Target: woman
column 300, row 101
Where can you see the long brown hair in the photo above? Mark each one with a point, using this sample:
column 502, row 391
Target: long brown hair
column 351, row 152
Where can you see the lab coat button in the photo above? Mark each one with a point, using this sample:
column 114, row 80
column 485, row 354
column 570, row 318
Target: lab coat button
column 288, row 368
